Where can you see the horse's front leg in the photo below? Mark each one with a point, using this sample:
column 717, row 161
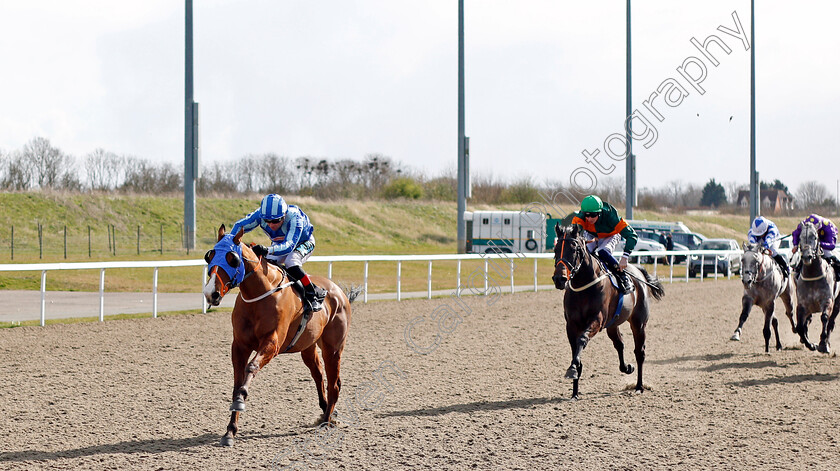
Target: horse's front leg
column 746, row 305
column 239, row 358
column 267, row 350
column 786, row 300
column 770, row 319
column 827, row 327
column 578, row 341
column 803, row 319
column 618, row 342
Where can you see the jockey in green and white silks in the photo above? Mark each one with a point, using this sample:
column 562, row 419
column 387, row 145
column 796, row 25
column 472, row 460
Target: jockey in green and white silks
column 764, row 232
column 292, row 241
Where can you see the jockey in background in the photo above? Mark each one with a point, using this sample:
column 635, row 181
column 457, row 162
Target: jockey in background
column 292, row 242
column 604, row 227
column 764, row 232
column 827, row 234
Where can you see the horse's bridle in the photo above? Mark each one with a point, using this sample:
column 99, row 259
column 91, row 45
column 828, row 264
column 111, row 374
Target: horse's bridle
column 575, row 251
column 236, row 279
column 759, row 264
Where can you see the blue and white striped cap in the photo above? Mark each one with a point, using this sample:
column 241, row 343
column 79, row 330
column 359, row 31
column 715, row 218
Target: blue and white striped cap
column 273, row 207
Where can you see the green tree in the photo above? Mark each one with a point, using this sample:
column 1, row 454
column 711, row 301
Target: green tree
column 713, row 194
column 403, row 188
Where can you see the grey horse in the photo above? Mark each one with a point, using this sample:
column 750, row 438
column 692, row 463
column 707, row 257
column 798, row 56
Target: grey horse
column 763, row 282
column 816, row 290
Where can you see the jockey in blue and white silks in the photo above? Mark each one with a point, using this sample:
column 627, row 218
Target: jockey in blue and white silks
column 764, row 232
column 292, row 241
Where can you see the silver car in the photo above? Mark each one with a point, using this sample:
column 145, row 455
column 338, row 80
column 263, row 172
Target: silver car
column 727, row 263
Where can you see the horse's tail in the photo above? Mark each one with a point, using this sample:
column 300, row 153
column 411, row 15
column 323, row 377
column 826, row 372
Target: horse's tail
column 656, row 288
column 352, row 292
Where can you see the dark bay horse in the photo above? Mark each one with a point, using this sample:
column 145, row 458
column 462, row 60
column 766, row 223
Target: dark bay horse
column 591, row 303
column 266, row 320
column 816, row 290
column 763, row 282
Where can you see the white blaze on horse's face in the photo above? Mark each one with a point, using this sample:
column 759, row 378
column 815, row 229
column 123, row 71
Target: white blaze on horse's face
column 210, row 289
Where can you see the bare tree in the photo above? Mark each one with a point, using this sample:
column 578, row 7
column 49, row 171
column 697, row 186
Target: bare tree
column 48, row 162
column 218, row 178
column 275, row 174
column 812, row 193
column 18, row 172
column 733, row 189
column 104, row 170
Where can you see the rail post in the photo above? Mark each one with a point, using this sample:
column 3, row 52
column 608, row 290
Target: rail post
column 43, row 297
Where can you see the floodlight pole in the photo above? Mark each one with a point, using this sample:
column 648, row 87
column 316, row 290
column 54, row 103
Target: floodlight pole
column 462, row 178
column 630, row 173
column 189, row 141
column 755, row 208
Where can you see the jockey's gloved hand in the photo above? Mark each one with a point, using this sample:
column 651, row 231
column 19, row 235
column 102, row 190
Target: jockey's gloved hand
column 260, row 250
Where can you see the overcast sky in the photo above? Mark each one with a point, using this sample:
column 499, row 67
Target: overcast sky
column 545, row 80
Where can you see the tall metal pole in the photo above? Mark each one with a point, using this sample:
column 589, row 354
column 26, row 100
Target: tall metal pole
column 630, row 174
column 755, row 208
column 189, row 152
column 462, row 184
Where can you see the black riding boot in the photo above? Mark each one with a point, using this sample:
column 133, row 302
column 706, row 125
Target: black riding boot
column 835, row 263
column 783, row 264
column 624, row 284
column 313, row 296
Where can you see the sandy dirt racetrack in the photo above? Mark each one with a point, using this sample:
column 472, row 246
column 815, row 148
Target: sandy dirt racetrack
column 154, row 394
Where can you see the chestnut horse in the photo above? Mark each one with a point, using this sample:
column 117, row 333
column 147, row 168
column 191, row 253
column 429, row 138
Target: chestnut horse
column 591, row 303
column 266, row 319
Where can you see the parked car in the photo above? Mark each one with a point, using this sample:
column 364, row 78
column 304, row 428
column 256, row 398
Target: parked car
column 652, row 234
column 642, row 245
column 726, row 263
column 785, row 249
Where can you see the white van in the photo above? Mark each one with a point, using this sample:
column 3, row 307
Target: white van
column 660, row 226
column 505, row 231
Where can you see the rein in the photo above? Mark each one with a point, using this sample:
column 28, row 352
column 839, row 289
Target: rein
column 596, row 280
column 267, row 293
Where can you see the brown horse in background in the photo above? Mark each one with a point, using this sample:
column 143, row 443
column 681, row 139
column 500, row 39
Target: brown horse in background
column 266, row 318
column 591, row 302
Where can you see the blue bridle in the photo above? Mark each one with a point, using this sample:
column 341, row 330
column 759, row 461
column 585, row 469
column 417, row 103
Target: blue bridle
column 221, row 249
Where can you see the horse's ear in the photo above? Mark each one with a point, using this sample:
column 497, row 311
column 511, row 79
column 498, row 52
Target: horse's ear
column 557, row 229
column 576, row 228
column 238, row 236
column 221, row 232
column 744, row 245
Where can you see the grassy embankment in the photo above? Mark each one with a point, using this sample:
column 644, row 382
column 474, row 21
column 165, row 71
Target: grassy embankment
column 342, row 228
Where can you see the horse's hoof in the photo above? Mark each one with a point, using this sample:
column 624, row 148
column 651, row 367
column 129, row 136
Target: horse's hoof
column 811, row 346
column 736, row 337
column 575, row 397
column 238, row 406
column 226, row 441
column 572, row 373
column 824, row 348
column 628, row 369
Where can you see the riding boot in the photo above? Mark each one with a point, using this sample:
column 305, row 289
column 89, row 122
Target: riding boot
column 313, row 297
column 783, row 264
column 835, row 263
column 624, row 284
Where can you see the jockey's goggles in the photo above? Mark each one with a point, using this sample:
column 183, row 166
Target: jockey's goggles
column 591, row 215
column 273, row 221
